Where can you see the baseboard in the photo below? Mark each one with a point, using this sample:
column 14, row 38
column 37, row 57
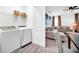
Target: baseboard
column 26, row 45
column 49, row 38
column 15, row 51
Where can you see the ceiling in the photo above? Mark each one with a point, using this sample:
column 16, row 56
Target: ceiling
column 58, row 10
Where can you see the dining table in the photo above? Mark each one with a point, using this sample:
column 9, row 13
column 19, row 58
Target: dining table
column 74, row 38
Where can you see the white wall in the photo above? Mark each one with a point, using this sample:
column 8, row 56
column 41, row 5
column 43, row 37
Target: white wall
column 39, row 26
column 30, row 13
column 67, row 19
column 8, row 19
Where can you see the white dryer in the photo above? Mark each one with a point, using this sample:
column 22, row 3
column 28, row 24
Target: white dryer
column 26, row 35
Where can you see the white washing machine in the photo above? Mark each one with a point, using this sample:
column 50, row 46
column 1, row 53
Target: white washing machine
column 9, row 40
column 26, row 35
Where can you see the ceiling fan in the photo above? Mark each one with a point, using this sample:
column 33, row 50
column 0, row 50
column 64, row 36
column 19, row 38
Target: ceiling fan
column 72, row 8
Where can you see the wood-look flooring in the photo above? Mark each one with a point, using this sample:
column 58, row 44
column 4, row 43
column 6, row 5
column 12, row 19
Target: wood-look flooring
column 50, row 48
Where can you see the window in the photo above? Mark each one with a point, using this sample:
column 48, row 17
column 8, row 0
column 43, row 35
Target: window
column 47, row 20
